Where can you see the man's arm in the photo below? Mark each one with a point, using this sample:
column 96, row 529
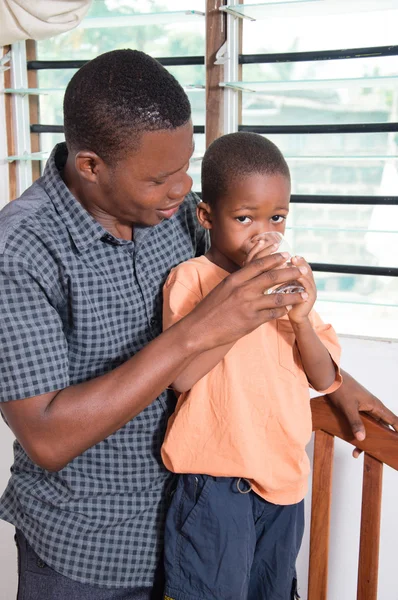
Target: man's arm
column 199, row 367
column 352, row 398
column 56, row 427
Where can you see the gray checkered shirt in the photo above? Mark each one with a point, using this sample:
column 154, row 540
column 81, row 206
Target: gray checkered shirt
column 75, row 303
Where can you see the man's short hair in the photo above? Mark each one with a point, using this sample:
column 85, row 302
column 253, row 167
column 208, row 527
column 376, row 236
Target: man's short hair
column 237, row 155
column 116, row 97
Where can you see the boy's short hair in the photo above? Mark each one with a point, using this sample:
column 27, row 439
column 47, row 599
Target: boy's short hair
column 115, row 98
column 237, row 155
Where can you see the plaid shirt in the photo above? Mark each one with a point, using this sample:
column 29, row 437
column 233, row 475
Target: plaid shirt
column 75, row 303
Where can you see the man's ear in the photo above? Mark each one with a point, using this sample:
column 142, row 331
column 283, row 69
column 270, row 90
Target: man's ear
column 88, row 165
column 203, row 212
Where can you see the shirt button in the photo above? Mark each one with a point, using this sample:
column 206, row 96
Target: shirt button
column 40, row 563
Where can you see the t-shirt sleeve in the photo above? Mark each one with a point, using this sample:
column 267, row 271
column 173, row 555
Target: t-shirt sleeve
column 34, row 351
column 329, row 338
column 181, row 293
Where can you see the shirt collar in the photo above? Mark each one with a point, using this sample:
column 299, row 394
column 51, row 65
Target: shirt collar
column 83, row 228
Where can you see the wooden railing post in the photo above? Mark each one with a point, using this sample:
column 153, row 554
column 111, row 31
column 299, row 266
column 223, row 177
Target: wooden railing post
column 368, row 566
column 320, row 515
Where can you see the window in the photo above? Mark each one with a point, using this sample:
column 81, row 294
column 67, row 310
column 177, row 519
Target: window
column 169, row 30
column 334, row 114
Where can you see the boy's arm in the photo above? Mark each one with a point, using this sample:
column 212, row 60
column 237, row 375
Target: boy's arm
column 317, row 362
column 317, row 343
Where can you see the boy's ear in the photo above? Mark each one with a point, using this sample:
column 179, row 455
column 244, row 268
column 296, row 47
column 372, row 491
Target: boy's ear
column 203, row 212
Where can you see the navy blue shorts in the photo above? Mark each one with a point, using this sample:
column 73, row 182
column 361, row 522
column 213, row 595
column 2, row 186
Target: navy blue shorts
column 224, row 544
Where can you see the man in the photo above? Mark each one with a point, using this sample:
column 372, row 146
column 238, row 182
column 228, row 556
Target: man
column 85, row 368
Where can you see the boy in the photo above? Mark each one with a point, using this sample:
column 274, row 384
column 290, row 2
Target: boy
column 243, row 417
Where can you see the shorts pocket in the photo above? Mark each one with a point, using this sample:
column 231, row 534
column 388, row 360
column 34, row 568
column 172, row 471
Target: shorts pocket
column 215, row 542
column 196, row 490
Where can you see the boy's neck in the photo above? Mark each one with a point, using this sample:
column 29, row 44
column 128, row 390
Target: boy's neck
column 219, row 259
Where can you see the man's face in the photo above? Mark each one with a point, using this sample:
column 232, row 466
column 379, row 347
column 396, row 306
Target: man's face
column 149, row 184
column 253, row 205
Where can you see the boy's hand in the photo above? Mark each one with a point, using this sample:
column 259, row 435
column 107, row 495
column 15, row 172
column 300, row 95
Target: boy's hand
column 299, row 313
column 261, row 248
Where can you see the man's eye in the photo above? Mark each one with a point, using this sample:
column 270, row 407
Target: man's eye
column 159, row 182
column 243, row 219
column 277, row 218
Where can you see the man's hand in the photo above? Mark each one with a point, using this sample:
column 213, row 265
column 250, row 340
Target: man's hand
column 352, row 399
column 240, row 303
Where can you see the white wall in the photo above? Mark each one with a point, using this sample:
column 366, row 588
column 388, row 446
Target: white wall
column 8, row 558
column 374, row 364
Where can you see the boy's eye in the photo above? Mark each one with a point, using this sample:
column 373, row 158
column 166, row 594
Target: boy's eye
column 278, row 219
column 243, row 219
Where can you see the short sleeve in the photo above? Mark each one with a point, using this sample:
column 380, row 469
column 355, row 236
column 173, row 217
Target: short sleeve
column 329, row 338
column 180, row 296
column 34, row 351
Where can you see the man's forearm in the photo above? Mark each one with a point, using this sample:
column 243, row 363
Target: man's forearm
column 55, row 428
column 199, row 367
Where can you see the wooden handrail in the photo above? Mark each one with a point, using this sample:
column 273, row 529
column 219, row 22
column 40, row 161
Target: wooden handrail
column 380, row 446
column 380, row 442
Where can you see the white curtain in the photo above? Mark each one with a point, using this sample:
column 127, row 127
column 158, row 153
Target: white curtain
column 38, row 19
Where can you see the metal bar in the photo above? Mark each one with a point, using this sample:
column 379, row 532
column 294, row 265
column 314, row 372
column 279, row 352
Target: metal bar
column 231, row 71
column 41, row 128
column 38, row 128
column 34, row 107
column 283, row 57
column 20, row 109
column 167, row 61
column 347, row 200
column 355, row 269
column 343, row 200
column 338, row 128
column 234, row 13
column 6, row 134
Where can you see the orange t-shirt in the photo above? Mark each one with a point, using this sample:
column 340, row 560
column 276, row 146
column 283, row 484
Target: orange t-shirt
column 250, row 415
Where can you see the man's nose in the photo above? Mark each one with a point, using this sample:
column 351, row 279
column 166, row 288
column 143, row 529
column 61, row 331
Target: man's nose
column 181, row 188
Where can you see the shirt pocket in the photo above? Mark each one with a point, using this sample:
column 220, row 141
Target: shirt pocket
column 288, row 354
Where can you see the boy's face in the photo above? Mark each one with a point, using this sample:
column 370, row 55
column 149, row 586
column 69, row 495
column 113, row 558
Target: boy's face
column 252, row 205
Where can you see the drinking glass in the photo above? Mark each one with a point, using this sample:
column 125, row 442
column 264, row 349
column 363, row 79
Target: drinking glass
column 291, row 287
